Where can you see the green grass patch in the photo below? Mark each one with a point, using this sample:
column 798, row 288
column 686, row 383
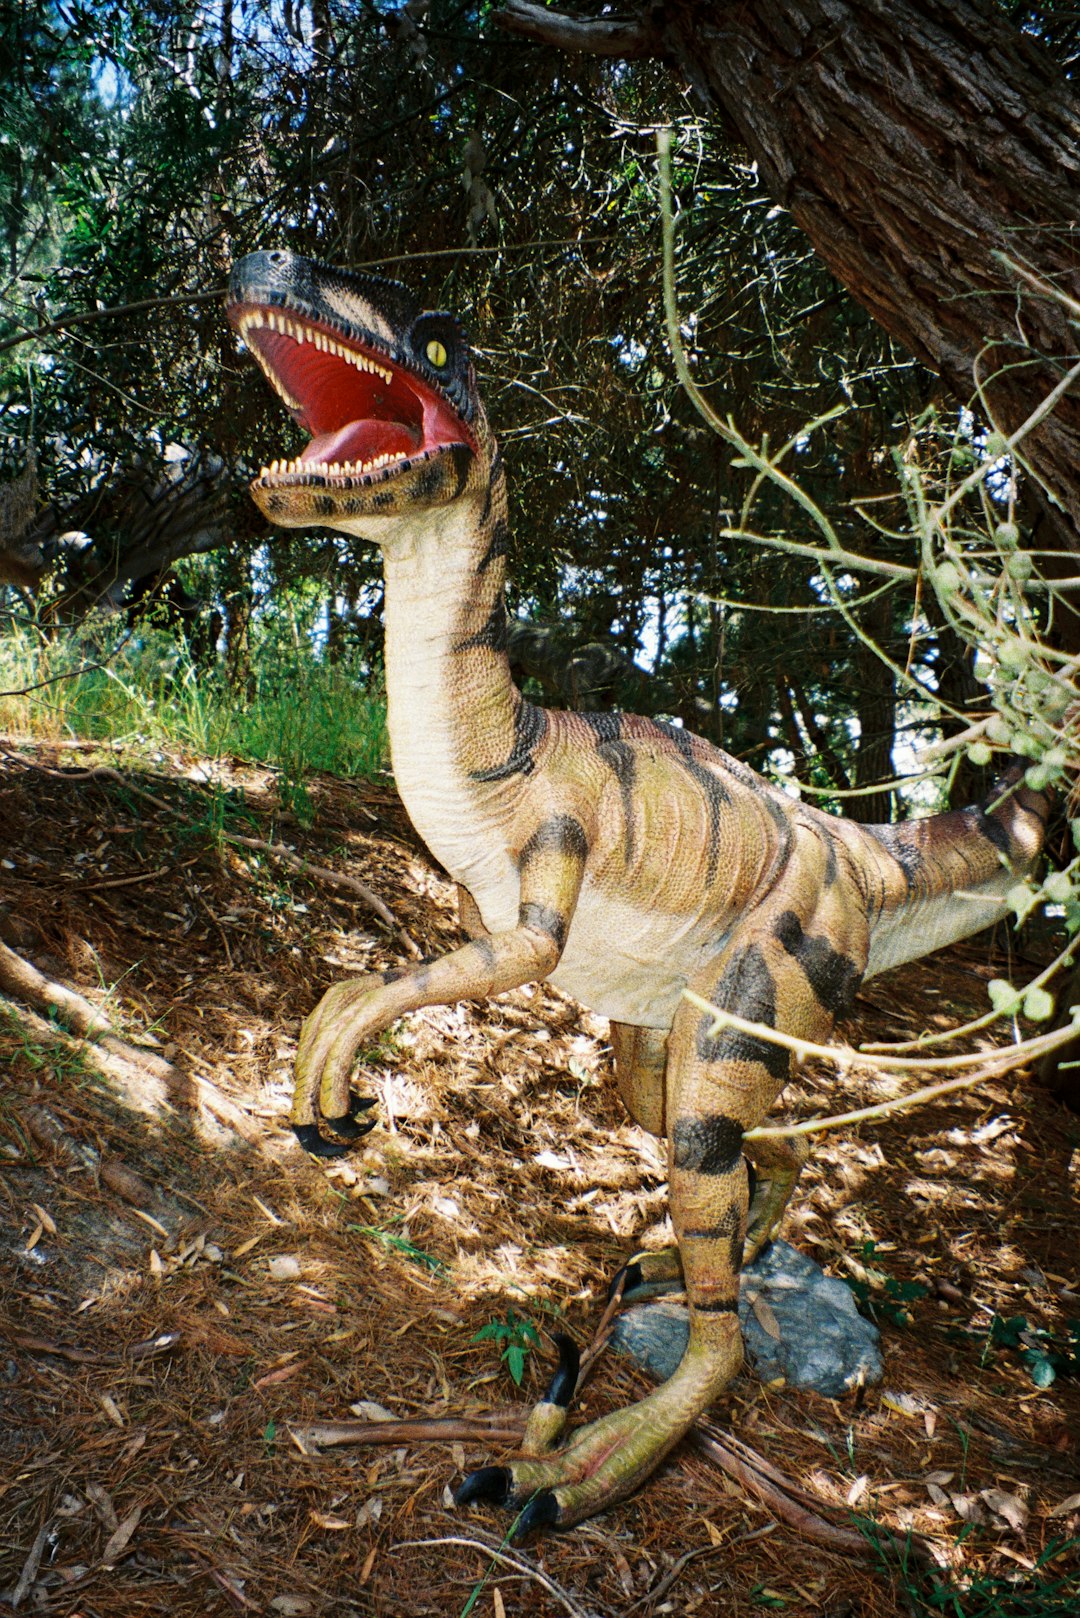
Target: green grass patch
column 299, row 714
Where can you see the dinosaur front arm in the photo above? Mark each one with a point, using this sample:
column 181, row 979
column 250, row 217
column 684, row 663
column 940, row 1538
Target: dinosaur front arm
column 353, row 1013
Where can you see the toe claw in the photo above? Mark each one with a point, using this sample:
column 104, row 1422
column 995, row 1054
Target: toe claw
column 542, row 1511
column 563, row 1384
column 347, row 1127
column 491, row 1484
column 631, row 1277
column 310, row 1139
column 361, row 1104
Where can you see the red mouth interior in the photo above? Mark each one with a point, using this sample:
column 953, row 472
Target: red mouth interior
column 354, row 415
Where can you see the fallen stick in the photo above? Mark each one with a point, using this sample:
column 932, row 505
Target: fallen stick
column 337, row 879
column 503, row 1427
column 112, row 1055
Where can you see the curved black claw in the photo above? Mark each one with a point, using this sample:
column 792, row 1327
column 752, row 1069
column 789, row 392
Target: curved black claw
column 631, row 1277
column 347, row 1127
column 542, row 1511
column 490, row 1484
column 563, row 1384
column 310, row 1139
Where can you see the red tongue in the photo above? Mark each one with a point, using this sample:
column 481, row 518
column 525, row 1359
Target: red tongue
column 362, row 441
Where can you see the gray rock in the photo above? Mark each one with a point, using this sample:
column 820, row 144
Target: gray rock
column 797, row 1323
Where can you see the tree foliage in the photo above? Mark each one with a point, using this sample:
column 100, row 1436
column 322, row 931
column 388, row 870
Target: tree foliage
column 144, row 147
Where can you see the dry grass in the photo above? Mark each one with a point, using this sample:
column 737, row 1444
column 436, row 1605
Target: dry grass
column 175, row 1297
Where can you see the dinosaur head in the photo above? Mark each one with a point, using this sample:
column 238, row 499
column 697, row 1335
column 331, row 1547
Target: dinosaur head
column 385, row 391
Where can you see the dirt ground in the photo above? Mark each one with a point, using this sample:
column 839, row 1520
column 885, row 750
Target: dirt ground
column 183, row 1291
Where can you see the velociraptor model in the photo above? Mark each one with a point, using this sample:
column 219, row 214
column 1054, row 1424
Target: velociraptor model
column 621, row 857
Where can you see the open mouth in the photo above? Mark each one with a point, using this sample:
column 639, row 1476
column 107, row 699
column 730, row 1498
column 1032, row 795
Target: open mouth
column 365, row 413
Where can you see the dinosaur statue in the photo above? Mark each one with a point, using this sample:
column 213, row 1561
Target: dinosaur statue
column 621, row 857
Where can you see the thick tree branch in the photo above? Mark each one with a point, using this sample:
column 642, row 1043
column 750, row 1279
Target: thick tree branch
column 931, row 153
column 624, row 37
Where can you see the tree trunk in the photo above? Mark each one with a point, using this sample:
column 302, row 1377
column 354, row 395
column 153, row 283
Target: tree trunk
column 931, row 153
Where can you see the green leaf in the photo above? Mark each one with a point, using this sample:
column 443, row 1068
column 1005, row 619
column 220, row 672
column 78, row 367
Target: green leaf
column 515, row 1362
column 1038, row 1005
column 1003, row 997
column 1040, row 1367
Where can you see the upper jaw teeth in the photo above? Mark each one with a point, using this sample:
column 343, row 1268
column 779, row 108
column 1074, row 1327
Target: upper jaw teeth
column 274, row 320
column 329, row 469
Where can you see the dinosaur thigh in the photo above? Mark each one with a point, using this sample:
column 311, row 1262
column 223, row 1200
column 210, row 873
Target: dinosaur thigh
column 640, row 1060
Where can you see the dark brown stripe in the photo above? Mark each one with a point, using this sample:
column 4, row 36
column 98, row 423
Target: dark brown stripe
column 709, row 1145
column 544, row 919
column 498, row 545
column 530, row 728
column 562, row 834
column 833, row 977
column 493, row 635
column 746, row 988
column 716, row 794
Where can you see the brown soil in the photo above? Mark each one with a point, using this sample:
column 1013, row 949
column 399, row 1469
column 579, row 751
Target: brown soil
column 178, row 1294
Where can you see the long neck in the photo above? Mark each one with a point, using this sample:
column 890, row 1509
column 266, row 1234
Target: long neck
column 454, row 714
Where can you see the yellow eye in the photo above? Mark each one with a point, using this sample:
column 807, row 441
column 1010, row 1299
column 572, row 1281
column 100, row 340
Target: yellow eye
column 436, row 353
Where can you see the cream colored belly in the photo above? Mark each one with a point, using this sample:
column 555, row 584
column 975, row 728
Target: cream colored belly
column 620, row 962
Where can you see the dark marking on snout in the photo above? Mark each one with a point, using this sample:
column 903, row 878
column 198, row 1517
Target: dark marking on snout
column 833, row 976
column 429, row 481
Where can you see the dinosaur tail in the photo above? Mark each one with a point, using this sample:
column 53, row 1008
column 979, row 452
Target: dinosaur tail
column 945, row 877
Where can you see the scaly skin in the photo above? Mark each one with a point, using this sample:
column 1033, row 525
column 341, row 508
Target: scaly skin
column 622, row 858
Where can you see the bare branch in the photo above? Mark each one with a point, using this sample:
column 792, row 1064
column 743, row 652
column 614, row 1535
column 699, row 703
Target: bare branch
column 625, row 37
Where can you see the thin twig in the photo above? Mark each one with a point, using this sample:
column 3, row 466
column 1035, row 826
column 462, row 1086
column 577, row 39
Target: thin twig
column 505, row 1557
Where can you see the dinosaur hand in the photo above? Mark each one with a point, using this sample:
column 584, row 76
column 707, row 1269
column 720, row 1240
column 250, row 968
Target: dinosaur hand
column 347, row 1017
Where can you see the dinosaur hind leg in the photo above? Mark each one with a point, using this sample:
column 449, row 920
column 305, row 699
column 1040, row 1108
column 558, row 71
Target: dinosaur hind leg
column 778, row 1162
column 777, row 970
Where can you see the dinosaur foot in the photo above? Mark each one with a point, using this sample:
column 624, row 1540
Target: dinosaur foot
column 343, row 1132
column 601, row 1464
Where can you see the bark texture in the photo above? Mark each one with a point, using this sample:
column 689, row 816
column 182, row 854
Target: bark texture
column 931, row 153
